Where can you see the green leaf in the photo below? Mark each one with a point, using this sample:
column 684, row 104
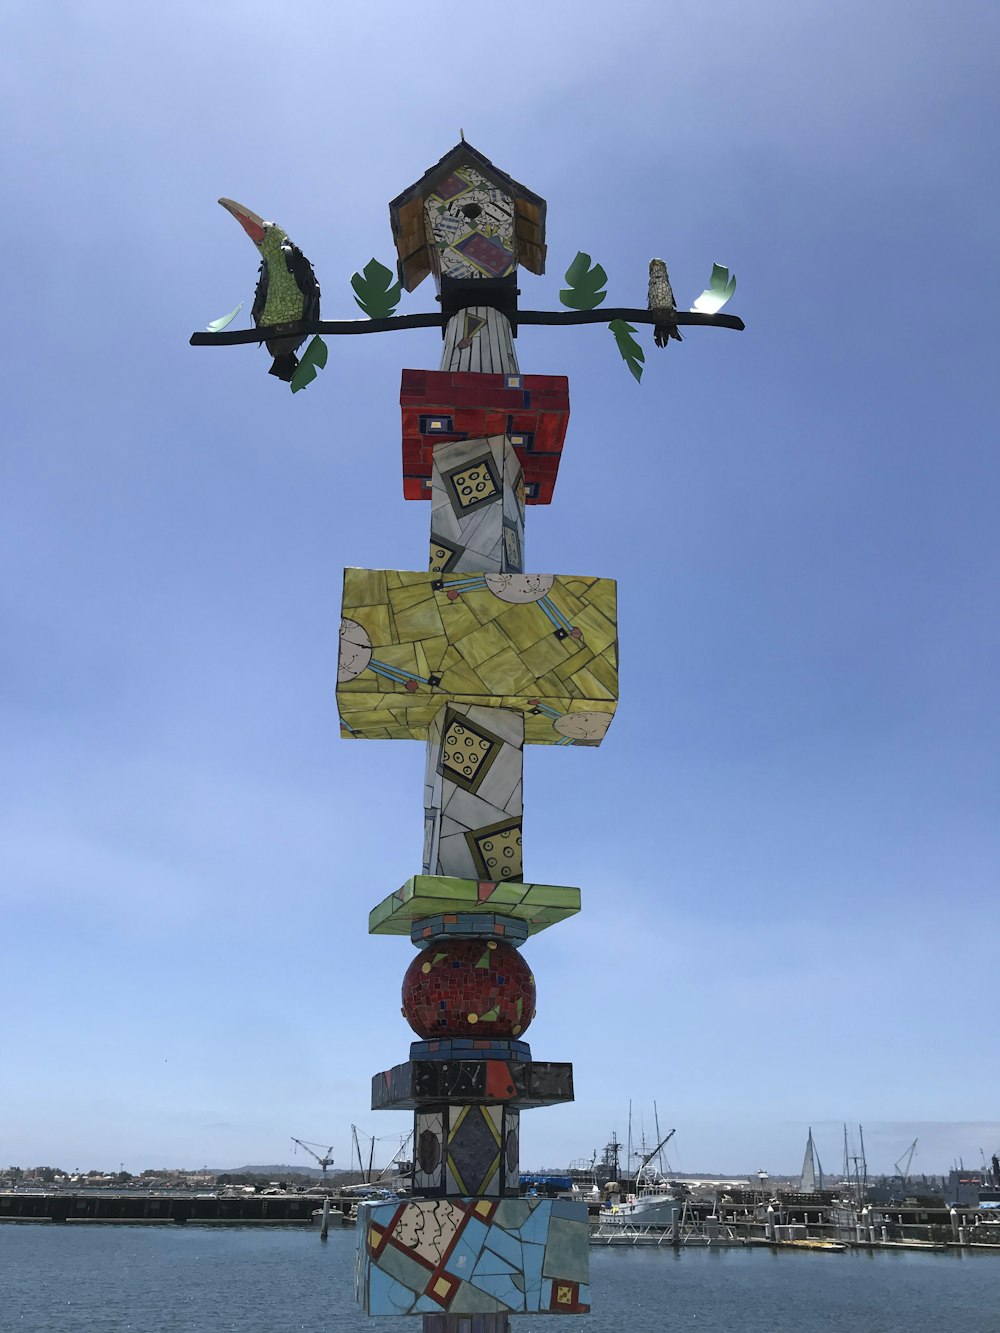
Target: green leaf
column 217, row 325
column 718, row 292
column 632, row 353
column 375, row 291
column 313, row 359
column 585, row 284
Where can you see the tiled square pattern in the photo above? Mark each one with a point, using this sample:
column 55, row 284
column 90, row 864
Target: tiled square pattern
column 473, row 484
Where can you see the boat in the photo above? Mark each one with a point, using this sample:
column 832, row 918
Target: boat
column 657, row 1201
column 811, row 1175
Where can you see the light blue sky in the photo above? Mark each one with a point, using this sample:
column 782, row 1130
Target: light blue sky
column 788, row 844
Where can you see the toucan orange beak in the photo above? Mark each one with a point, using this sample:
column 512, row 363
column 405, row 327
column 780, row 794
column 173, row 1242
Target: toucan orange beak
column 254, row 226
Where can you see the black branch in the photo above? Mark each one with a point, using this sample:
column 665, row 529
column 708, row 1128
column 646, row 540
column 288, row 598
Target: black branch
column 435, row 320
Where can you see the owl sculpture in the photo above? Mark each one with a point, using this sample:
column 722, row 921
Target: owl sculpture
column 661, row 301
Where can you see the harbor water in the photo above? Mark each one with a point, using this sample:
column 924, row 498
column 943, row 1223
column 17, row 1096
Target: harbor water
column 193, row 1279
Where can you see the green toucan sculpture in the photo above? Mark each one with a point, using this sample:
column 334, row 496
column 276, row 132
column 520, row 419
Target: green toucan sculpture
column 287, row 290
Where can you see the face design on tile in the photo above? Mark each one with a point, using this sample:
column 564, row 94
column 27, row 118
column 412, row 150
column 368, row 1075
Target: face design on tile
column 583, row 726
column 519, row 588
column 429, row 1236
column 355, row 650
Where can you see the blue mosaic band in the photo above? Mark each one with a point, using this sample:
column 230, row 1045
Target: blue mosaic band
column 468, row 925
column 464, row 1048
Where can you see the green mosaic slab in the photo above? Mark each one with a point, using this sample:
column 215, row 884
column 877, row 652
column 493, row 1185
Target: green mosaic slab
column 539, row 905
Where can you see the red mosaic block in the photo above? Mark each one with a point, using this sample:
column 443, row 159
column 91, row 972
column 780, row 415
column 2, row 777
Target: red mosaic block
column 474, row 405
column 469, row 988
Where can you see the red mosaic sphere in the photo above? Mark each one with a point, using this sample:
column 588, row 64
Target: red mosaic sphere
column 469, row 988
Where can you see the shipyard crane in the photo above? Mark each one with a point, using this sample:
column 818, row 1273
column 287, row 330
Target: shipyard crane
column 903, row 1165
column 324, row 1161
column 397, row 1157
column 650, row 1155
column 368, row 1176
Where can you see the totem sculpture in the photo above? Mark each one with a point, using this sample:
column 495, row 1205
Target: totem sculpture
column 478, row 658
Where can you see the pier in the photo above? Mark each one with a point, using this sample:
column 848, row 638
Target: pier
column 143, row 1206
column 812, row 1227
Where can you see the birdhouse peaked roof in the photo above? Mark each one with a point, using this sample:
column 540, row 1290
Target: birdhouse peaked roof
column 408, row 219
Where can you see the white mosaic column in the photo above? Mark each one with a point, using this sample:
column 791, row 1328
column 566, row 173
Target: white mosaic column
column 473, row 792
column 477, row 507
column 480, row 338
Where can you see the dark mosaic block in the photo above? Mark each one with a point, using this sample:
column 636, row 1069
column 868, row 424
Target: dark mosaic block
column 476, row 1136
column 466, row 1149
column 522, row 1084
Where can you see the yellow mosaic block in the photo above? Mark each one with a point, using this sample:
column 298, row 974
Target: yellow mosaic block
column 541, row 644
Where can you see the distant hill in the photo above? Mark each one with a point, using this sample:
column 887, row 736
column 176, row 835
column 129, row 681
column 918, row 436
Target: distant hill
column 276, row 1172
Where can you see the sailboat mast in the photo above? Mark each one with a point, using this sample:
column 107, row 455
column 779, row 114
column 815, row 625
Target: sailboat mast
column 628, row 1149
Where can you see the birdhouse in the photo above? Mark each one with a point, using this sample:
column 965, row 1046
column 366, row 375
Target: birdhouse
column 465, row 218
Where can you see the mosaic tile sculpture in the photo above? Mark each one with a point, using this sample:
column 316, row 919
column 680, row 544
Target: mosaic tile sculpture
column 477, row 657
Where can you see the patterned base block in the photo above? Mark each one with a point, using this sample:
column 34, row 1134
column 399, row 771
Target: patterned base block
column 465, row 1256
column 540, row 905
column 417, row 1082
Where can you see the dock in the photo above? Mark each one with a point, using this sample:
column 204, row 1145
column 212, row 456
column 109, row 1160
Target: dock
column 137, row 1207
column 811, row 1227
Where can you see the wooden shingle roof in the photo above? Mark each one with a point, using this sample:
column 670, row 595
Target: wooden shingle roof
column 406, row 212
